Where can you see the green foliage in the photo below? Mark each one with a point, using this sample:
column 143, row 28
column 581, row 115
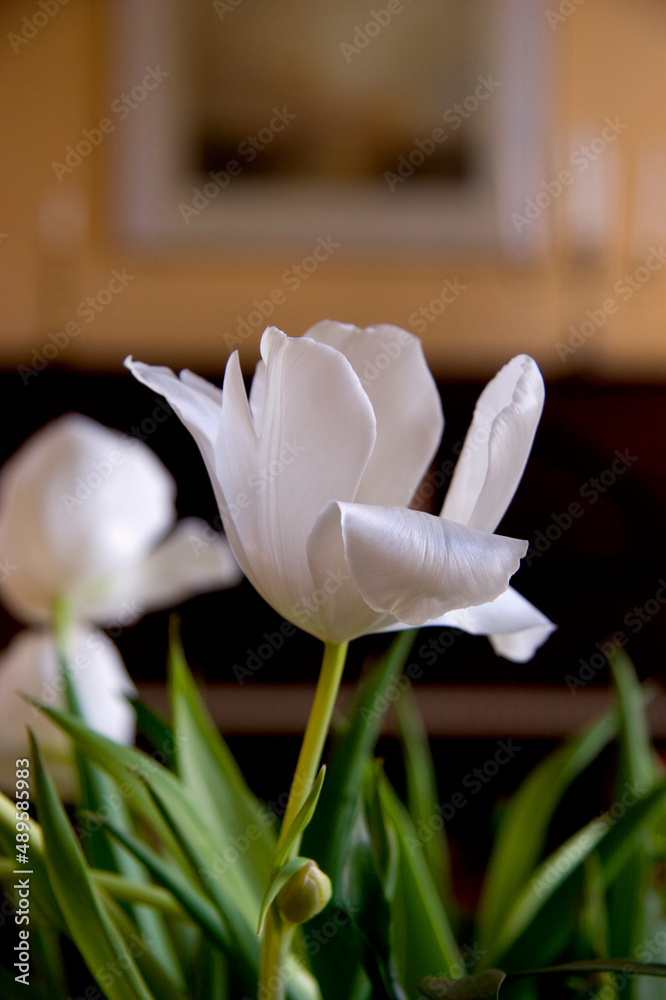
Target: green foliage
column 176, row 863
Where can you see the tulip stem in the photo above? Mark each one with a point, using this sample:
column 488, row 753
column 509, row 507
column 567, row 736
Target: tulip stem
column 316, row 732
column 276, row 939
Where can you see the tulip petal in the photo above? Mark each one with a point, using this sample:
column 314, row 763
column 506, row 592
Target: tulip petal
column 198, row 405
column 415, row 566
column 334, row 609
column 195, row 401
column 313, row 442
column 192, row 560
column 497, row 446
column 394, row 373
column 77, row 501
column 515, row 627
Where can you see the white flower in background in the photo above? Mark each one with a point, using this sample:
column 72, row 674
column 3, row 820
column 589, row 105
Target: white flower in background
column 88, row 523
column 30, row 666
column 86, row 519
column 314, row 474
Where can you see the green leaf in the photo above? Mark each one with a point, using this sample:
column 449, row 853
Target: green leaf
column 594, row 916
column 193, row 900
column 540, row 920
column 153, row 726
column 368, row 886
column 422, row 795
column 239, row 911
column 636, row 776
column 212, row 776
column 486, row 985
column 424, row 942
column 42, row 897
column 302, row 819
column 127, row 765
column 637, row 757
column 522, row 834
column 163, row 980
column 483, row 986
column 94, row 933
column 138, row 893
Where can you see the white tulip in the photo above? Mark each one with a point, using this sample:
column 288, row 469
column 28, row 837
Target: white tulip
column 85, row 516
column 314, row 474
column 30, row 666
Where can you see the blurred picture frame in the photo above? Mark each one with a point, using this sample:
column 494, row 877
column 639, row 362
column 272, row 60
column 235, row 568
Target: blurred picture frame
column 366, row 139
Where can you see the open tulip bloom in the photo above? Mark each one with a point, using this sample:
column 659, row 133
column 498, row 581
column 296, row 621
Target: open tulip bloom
column 314, row 474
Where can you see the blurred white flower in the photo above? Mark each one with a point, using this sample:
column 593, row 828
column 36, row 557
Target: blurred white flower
column 85, row 516
column 314, row 474
column 30, row 666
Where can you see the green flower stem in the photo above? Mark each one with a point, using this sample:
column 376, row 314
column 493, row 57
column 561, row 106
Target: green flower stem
column 274, row 950
column 277, row 937
column 316, row 732
column 62, row 626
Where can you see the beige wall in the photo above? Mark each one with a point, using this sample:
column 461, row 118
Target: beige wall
column 608, row 60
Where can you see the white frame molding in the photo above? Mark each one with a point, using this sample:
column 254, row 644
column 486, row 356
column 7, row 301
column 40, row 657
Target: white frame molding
column 150, row 177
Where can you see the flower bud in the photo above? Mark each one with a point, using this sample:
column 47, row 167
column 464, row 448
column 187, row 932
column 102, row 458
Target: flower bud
column 305, row 894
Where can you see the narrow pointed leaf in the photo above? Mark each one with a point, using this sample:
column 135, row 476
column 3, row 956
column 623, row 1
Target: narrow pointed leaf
column 155, row 729
column 96, row 936
column 525, row 823
column 543, row 908
column 193, row 901
column 213, row 777
column 239, row 911
column 424, row 941
column 42, row 896
column 483, row 986
column 636, row 775
column 302, row 819
column 422, row 795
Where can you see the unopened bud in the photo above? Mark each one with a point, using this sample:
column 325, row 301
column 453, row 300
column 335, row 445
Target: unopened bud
column 305, row 894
